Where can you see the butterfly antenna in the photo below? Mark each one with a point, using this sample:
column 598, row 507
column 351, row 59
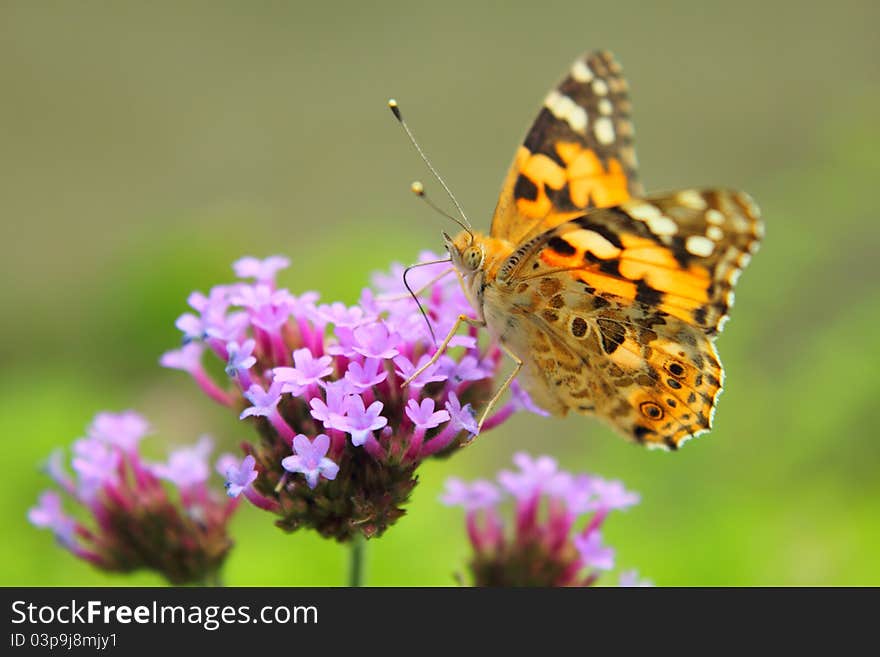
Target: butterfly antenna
column 419, row 303
column 466, row 224
column 418, row 189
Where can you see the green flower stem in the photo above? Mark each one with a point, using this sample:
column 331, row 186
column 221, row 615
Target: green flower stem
column 356, row 560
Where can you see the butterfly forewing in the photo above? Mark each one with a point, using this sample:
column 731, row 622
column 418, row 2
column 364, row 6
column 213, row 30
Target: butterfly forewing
column 578, row 154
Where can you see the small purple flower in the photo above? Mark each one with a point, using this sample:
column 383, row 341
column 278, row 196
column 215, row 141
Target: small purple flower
column 461, row 416
column 95, row 463
column 240, row 475
column 366, row 375
column 375, row 341
column 391, row 283
column 344, row 343
column 468, row 342
column 303, row 304
column 48, row 514
column 467, row 369
column 307, row 370
column 423, row 415
column 405, row 369
column 332, row 411
column 263, row 271
column 339, row 314
column 479, row 494
column 56, row 470
column 187, row 466
column 593, row 554
column 192, row 327
column 534, row 473
column 199, row 302
column 269, row 309
column 125, row 429
column 612, row 495
column 361, row 420
column 214, row 305
column 265, row 402
column 241, row 356
column 224, row 462
column 227, row 328
column 522, row 400
column 211, row 319
column 575, row 491
column 310, row 459
column 188, row 358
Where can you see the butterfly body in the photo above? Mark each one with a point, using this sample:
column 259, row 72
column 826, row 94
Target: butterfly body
column 609, row 300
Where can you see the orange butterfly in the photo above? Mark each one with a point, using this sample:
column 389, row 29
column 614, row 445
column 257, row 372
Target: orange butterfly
column 607, row 300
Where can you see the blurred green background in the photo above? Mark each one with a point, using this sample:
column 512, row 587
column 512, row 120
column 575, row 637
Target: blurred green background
column 145, row 146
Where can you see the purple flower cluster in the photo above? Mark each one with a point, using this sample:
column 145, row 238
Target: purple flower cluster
column 548, row 544
column 137, row 522
column 339, row 436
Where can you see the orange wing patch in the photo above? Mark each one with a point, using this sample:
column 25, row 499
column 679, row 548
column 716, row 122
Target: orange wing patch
column 638, row 269
column 535, row 174
column 546, row 190
column 590, row 183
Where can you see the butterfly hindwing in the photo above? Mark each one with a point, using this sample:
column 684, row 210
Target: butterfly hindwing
column 578, row 154
column 621, row 305
column 655, row 378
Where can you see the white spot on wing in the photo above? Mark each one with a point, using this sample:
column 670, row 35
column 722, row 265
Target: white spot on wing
column 581, row 72
column 714, row 216
column 605, row 106
column 759, row 229
column 714, row 233
column 691, row 199
column 565, row 109
column 699, row 246
column 658, row 223
column 600, row 88
column 604, row 130
column 643, row 211
column 662, row 226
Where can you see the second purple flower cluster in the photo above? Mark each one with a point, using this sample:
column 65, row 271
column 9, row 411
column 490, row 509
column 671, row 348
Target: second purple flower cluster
column 555, row 537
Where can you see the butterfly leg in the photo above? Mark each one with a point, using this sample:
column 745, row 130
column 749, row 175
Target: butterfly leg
column 492, row 402
column 479, row 323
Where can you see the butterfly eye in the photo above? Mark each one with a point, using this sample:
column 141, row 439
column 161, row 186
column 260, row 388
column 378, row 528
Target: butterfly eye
column 472, row 257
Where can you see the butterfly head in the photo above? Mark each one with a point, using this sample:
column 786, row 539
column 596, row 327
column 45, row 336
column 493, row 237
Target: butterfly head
column 467, row 253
